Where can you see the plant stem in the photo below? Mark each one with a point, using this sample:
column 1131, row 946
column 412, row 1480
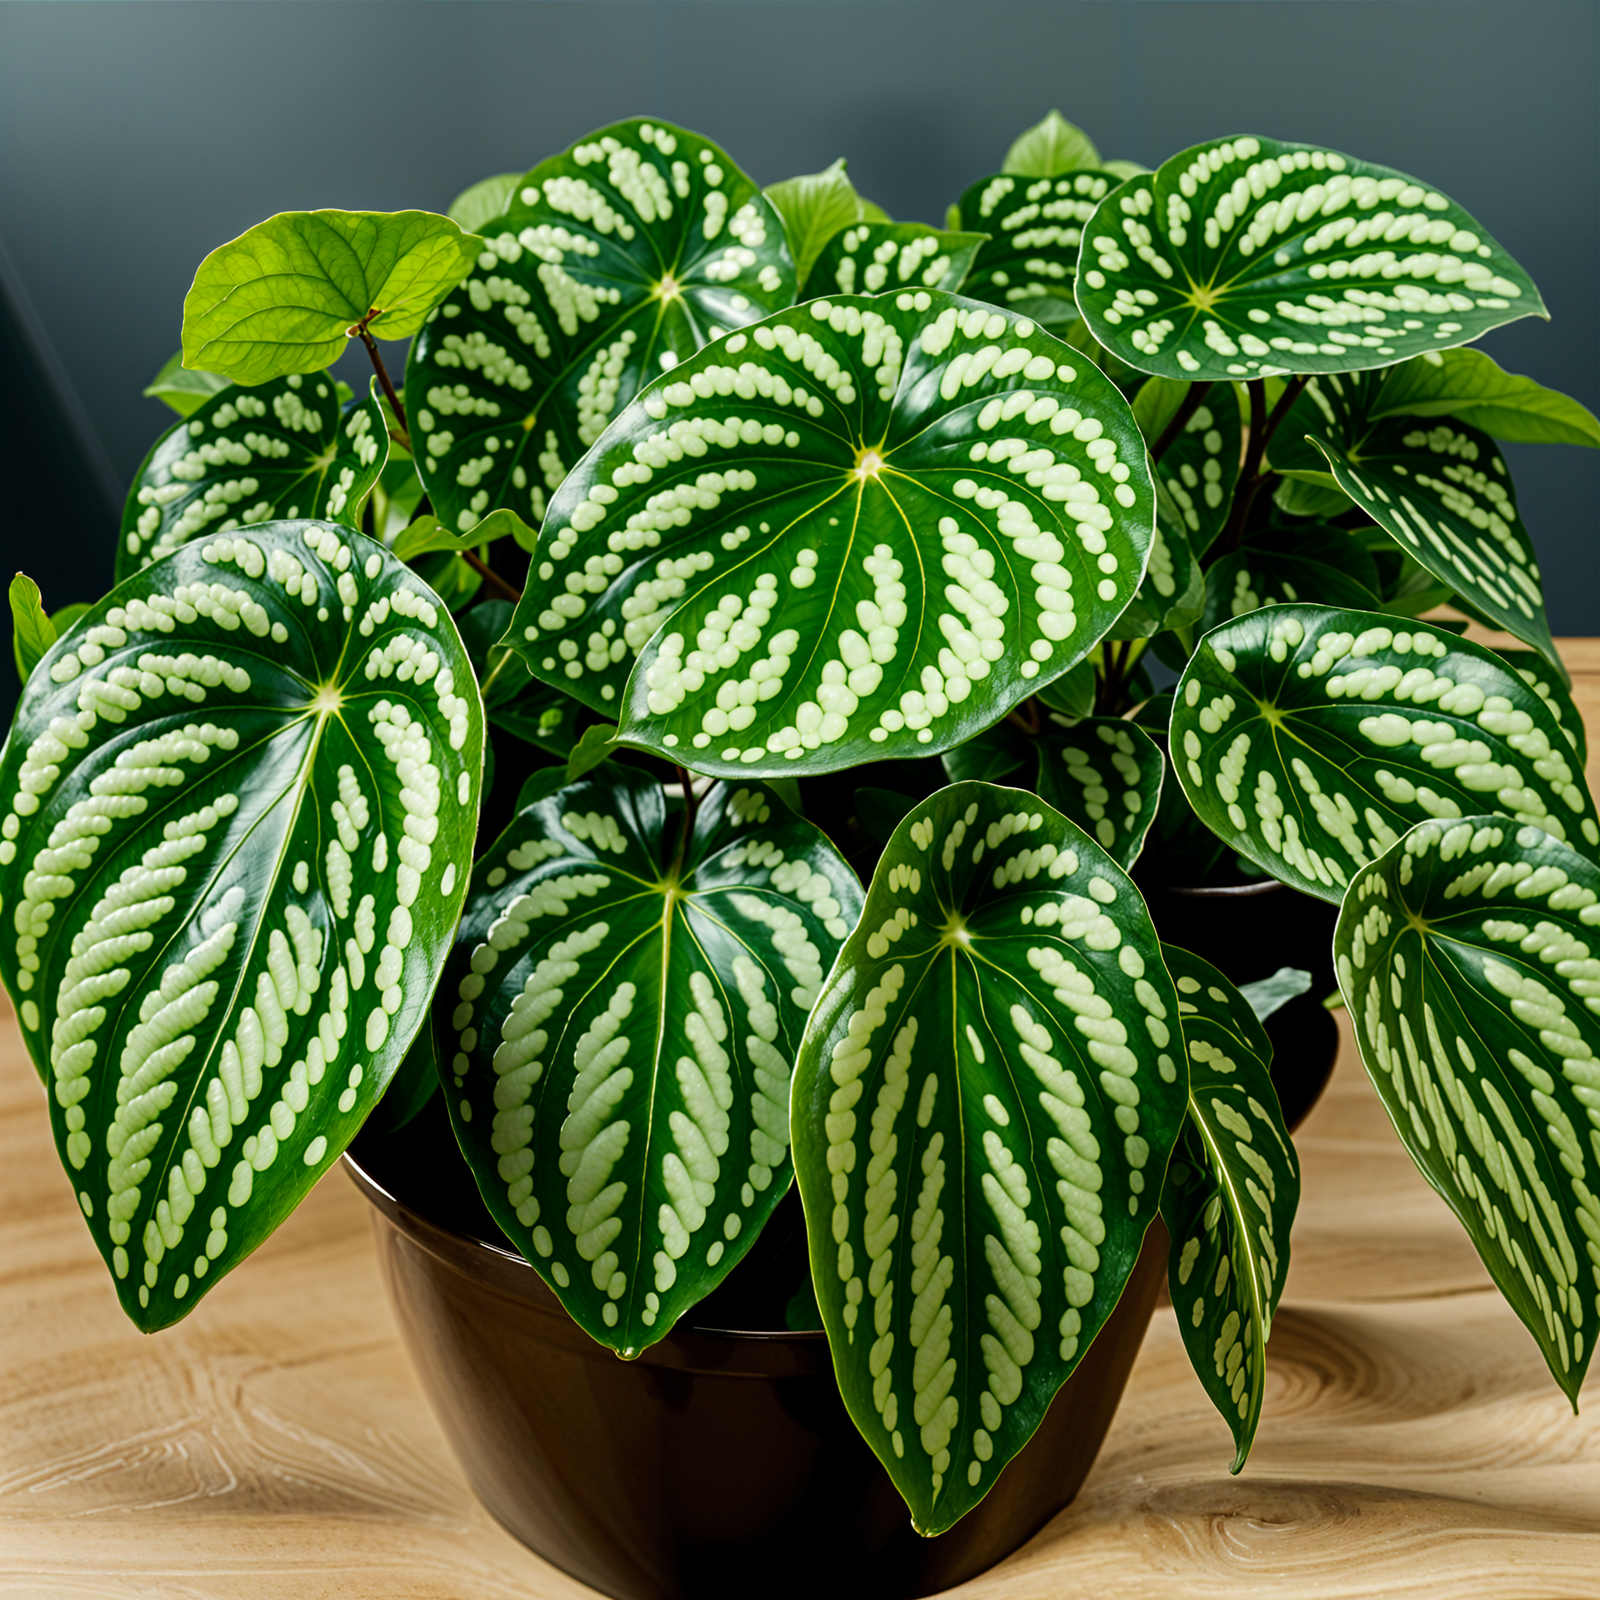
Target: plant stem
column 383, row 381
column 490, row 576
column 1291, row 393
column 689, row 808
column 1026, row 716
column 1180, row 418
column 1108, row 686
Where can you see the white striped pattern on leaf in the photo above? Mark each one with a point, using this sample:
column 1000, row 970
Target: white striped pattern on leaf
column 1469, row 956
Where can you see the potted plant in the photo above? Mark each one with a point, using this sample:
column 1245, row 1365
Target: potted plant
column 789, row 813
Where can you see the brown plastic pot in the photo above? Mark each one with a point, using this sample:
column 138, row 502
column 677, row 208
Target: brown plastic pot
column 720, row 1463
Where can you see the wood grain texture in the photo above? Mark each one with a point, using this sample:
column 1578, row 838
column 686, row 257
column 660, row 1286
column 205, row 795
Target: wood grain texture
column 276, row 1443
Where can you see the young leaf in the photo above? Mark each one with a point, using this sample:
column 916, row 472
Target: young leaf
column 599, row 743
column 486, row 201
column 1201, row 466
column 183, row 390
column 613, row 262
column 243, row 793
column 984, row 1103
column 1230, row 1196
column 877, row 257
column 1244, row 257
column 813, row 209
column 1309, row 740
column 619, row 1028
column 32, row 632
column 1035, row 227
column 1467, row 957
column 941, row 501
column 1105, row 775
column 1439, row 488
column 427, row 535
column 1049, row 147
column 1469, row 385
column 1308, row 495
column 284, row 450
column 285, row 295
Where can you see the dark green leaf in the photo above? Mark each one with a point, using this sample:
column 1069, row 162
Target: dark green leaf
column 814, row 208
column 183, row 390
column 1244, row 257
column 614, row 261
column 243, row 793
column 1072, row 695
column 486, row 201
column 1550, row 686
column 1201, row 466
column 1049, row 147
column 1468, row 956
column 1172, row 593
column 1269, row 574
column 880, row 811
column 599, row 743
column 1307, row 495
column 32, row 632
column 991, row 755
column 1105, row 775
column 984, row 1104
column 1469, row 385
column 944, row 511
column 285, row 295
column 1311, row 739
column 283, row 450
column 413, row 1085
column 516, row 702
column 620, row 1031
column 877, row 257
column 1230, row 1196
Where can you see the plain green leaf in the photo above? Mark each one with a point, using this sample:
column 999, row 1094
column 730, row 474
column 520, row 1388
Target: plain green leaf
column 1071, row 695
column 1311, row 495
column 1469, row 385
column 484, row 202
column 32, row 632
column 1049, row 147
column 183, row 390
column 814, row 208
column 1172, row 592
column 597, row 744
column 1123, row 170
column 879, row 811
column 414, row 1084
column 1267, row 995
column 284, row 698
column 286, row 295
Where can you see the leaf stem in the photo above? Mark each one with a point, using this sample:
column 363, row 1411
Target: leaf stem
column 383, row 381
column 689, row 808
column 1180, row 418
column 1026, row 716
column 1108, row 685
column 1291, row 393
column 490, row 576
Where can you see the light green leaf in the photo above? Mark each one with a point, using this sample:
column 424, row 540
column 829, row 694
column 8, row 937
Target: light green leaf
column 814, row 208
column 286, row 295
column 283, row 450
column 1311, row 495
column 1466, row 956
column 1438, row 487
column 183, row 390
column 877, row 257
column 599, row 743
column 67, row 616
column 243, row 793
column 1309, row 740
column 427, row 535
column 1244, row 258
column 946, row 510
column 1035, row 227
column 1268, row 995
column 614, row 261
column 1200, row 468
column 1071, row 695
column 32, row 632
column 620, row 1029
column 484, row 202
column 985, row 1099
column 1104, row 774
column 1050, row 147
column 1121, row 170
column 1230, row 1196
column 1469, row 385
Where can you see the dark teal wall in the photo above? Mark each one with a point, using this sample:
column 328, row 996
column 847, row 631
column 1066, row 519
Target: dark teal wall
column 136, row 136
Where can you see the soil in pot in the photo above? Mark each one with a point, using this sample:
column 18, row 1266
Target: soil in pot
column 721, row 1462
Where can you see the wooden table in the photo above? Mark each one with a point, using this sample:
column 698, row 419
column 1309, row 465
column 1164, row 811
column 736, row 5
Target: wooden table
column 276, row 1443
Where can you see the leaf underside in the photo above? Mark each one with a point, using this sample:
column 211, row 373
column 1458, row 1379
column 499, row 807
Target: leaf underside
column 986, row 1096
column 240, row 802
column 629, row 1028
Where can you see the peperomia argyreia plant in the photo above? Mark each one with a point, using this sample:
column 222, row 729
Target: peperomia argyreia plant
column 526, row 726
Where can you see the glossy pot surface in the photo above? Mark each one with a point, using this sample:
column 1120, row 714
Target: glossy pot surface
column 720, row 1463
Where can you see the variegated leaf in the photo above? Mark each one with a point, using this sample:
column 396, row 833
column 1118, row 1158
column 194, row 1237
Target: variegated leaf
column 1314, row 564
column 814, row 207
column 863, row 528
column 1105, row 775
column 1230, row 1196
column 613, row 262
column 1440, row 488
column 1172, row 593
column 283, row 450
column 1244, row 257
column 1201, row 466
column 240, row 798
column 1035, row 226
column 1469, row 956
column 1551, row 687
column 984, row 1104
column 1311, row 739
column 617, row 1029
column 881, row 257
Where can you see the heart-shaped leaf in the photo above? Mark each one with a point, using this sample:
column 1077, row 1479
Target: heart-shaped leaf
column 1317, row 564
column 618, row 1025
column 612, row 263
column 1052, row 145
column 1468, row 385
column 1105, row 775
column 816, row 206
column 1440, row 488
column 484, row 202
column 1469, row 956
column 285, row 295
column 984, row 1104
column 282, row 451
column 1310, row 739
column 864, row 528
column 1200, row 467
column 879, row 257
column 240, row 803
column 1035, row 226
column 1230, row 1196
column 185, row 391
column 1244, row 257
